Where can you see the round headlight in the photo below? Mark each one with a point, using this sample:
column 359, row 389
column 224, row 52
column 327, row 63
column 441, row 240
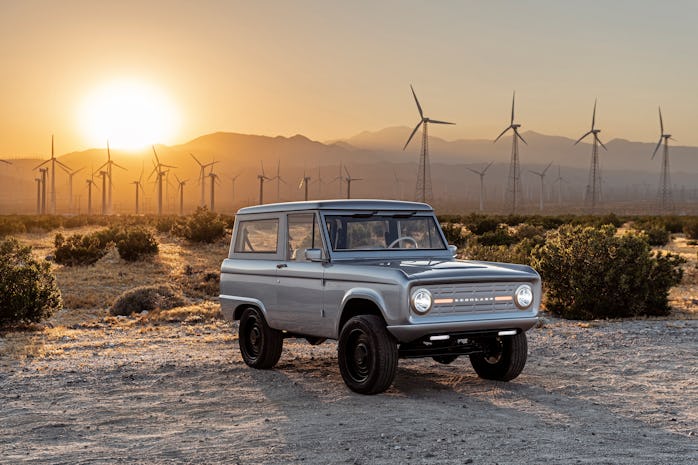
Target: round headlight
column 421, row 301
column 523, row 297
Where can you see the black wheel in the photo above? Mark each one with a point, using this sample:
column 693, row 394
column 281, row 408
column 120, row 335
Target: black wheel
column 503, row 359
column 260, row 345
column 445, row 359
column 367, row 355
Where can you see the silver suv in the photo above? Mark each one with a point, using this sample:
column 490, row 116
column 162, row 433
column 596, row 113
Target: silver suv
column 379, row 277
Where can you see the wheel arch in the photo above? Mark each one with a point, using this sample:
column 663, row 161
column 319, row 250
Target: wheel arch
column 360, row 302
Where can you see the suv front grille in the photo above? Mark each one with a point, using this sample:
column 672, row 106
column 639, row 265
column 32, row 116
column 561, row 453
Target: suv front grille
column 467, row 298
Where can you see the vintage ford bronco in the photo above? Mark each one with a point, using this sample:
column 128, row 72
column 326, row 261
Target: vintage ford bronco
column 379, row 277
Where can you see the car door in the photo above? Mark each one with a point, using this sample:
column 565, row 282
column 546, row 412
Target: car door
column 300, row 284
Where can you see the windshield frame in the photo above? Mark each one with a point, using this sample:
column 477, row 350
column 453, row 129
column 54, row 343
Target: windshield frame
column 382, row 252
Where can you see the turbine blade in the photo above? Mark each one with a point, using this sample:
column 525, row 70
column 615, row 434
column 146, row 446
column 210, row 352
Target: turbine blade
column 439, row 122
column 487, row 167
column 513, row 99
column 156, row 154
column 501, row 134
column 580, row 139
column 196, row 159
column 419, row 107
column 412, row 135
column 661, row 123
column 657, row 147
column 119, row 166
column 599, row 141
column 519, row 136
column 42, row 164
column 346, row 171
column 475, row 171
column 593, row 116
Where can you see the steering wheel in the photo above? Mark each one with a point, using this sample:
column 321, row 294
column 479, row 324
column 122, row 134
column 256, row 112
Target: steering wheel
column 403, row 238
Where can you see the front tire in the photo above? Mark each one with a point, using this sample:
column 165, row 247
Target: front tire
column 260, row 345
column 367, row 355
column 503, row 359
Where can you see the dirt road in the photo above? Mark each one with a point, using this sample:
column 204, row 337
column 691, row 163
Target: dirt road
column 129, row 392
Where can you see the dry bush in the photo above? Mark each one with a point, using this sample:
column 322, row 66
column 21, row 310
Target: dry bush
column 148, row 298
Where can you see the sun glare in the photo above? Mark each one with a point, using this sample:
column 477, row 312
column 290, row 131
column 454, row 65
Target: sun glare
column 129, row 114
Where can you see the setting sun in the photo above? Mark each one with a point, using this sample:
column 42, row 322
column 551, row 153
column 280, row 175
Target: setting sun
column 130, row 114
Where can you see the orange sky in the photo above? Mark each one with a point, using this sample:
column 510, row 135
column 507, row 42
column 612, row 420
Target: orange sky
column 330, row 69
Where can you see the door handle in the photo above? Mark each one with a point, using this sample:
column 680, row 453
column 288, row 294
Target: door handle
column 281, row 265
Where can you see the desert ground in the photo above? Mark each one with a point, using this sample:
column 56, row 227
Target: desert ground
column 170, row 387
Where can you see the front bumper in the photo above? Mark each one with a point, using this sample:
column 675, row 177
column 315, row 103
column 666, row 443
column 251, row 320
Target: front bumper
column 411, row 332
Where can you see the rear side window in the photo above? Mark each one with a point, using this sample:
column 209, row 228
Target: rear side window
column 257, row 236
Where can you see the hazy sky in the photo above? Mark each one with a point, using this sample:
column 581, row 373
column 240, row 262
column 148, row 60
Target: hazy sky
column 330, row 69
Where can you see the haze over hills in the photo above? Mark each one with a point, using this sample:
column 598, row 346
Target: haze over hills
column 377, row 157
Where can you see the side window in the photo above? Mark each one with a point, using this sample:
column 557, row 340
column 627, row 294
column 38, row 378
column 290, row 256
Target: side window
column 257, row 236
column 303, row 233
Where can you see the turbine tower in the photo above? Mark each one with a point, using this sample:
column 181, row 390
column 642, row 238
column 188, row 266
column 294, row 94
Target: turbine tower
column 593, row 194
column 482, row 184
column 233, row 182
column 90, row 183
column 158, row 169
column 38, row 195
column 108, row 164
column 104, row 175
column 514, row 182
column 559, row 180
column 214, row 180
column 541, row 174
column 139, row 188
column 180, row 189
column 53, row 161
column 262, row 179
column 423, row 189
column 44, row 176
column 664, row 194
column 202, row 178
column 70, row 185
column 279, row 180
column 349, row 179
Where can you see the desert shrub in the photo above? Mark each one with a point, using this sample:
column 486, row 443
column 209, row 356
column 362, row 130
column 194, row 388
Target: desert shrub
column 147, row 298
column 657, row 234
column 11, row 225
column 499, row 236
column 165, row 224
column 203, row 226
column 499, row 253
column 78, row 249
column 593, row 273
column 28, row 290
column 135, row 243
column 690, row 228
column 528, row 231
column 456, row 234
column 483, row 224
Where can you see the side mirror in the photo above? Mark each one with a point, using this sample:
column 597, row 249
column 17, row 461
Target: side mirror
column 453, row 249
column 313, row 255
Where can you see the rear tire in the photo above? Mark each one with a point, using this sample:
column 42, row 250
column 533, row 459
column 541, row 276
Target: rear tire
column 260, row 345
column 504, row 358
column 367, row 355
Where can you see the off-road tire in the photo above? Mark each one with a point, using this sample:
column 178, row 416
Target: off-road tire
column 260, row 345
column 367, row 355
column 504, row 358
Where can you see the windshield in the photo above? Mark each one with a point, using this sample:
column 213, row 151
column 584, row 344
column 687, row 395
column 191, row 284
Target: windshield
column 376, row 232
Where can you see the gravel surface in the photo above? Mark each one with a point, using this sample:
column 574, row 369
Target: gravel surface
column 140, row 392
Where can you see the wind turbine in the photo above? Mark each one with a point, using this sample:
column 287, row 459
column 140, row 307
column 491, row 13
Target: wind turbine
column 424, row 193
column 139, row 188
column 398, row 185
column 305, row 180
column 38, row 195
column 559, row 180
column 90, row 183
column 108, row 164
column 514, row 183
column 5, row 161
column 180, row 189
column 53, row 161
column 482, row 183
column 104, row 175
column 214, row 180
column 349, row 179
column 541, row 174
column 279, row 180
column 158, row 169
column 594, row 184
column 262, row 179
column 202, row 177
column 70, row 185
column 233, row 181
column 665, row 200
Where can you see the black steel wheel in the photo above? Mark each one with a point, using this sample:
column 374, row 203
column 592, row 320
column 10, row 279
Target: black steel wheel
column 503, row 358
column 260, row 345
column 367, row 355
